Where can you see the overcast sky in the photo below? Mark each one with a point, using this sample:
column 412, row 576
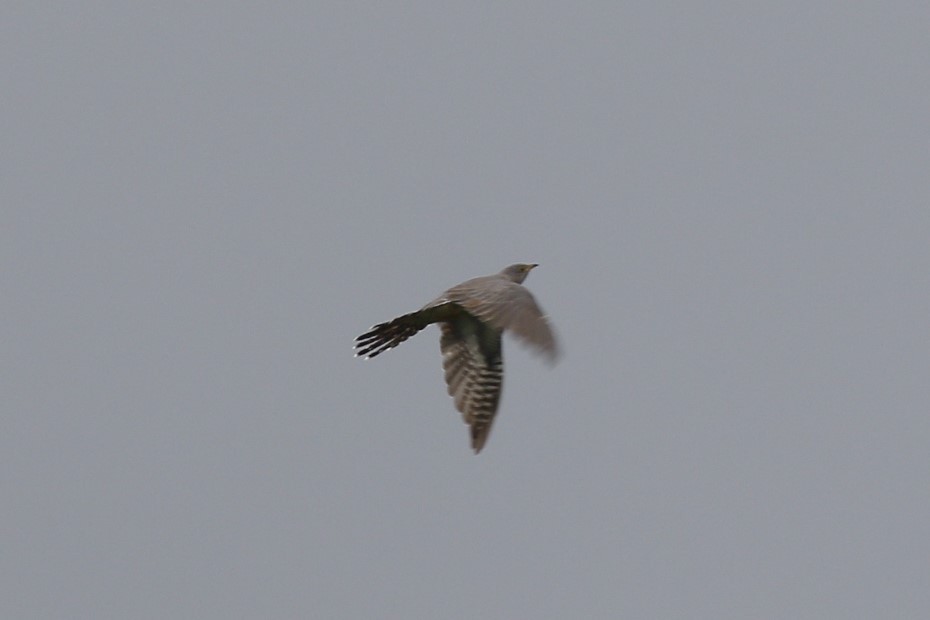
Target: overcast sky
column 204, row 203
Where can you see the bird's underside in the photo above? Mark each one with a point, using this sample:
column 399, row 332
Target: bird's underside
column 472, row 317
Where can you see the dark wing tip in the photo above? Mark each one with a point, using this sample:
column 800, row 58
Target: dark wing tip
column 479, row 436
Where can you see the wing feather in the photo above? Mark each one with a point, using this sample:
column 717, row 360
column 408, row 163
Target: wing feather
column 506, row 305
column 471, row 358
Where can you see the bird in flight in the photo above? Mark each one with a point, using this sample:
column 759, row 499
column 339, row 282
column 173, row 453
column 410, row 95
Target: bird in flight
column 473, row 316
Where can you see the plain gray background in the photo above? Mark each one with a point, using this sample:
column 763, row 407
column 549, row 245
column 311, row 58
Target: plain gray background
column 204, row 203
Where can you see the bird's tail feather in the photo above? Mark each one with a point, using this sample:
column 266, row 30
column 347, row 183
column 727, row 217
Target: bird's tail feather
column 384, row 336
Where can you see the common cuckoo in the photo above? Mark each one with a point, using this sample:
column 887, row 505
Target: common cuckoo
column 472, row 317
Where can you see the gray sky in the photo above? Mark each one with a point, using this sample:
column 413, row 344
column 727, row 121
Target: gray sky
column 203, row 204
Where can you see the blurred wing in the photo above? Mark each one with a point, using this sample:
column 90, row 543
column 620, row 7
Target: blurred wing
column 507, row 305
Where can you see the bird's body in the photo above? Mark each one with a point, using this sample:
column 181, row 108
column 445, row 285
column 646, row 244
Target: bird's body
column 472, row 316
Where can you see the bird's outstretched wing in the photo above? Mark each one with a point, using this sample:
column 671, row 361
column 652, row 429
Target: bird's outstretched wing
column 474, row 369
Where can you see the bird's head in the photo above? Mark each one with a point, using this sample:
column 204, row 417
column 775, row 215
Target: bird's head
column 518, row 272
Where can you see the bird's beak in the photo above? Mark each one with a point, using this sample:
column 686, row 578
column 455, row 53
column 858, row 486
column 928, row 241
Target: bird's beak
column 534, row 265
